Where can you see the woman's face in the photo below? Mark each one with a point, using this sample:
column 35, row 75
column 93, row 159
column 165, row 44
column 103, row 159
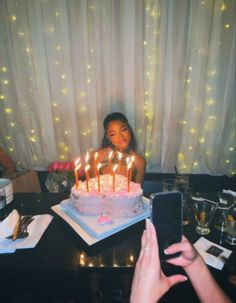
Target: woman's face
column 119, row 135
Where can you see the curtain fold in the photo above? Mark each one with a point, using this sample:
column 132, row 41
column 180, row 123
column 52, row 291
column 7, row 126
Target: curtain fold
column 169, row 66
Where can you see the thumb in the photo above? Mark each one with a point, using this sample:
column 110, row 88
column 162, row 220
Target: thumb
column 175, row 279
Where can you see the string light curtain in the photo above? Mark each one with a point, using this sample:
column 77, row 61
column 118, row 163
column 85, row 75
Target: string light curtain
column 169, row 66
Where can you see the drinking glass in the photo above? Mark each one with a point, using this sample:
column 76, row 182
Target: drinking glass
column 203, row 212
column 169, row 184
column 180, row 183
column 230, row 227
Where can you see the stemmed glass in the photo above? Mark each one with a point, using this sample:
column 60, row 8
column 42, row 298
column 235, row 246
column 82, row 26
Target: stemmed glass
column 204, row 211
column 230, row 227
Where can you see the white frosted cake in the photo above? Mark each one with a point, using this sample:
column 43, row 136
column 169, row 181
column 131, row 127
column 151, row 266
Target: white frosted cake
column 120, row 203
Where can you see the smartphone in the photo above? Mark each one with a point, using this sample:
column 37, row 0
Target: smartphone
column 166, row 215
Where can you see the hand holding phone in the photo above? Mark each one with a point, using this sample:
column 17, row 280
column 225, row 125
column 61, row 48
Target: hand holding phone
column 166, row 216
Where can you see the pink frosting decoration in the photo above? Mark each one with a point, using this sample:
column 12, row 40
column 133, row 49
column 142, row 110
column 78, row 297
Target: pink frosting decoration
column 104, row 220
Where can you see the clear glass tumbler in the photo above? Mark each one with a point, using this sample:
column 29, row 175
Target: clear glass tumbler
column 203, row 212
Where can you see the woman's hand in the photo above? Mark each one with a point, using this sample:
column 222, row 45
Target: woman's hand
column 149, row 282
column 188, row 253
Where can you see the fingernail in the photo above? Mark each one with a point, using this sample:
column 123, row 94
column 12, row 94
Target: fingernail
column 147, row 220
column 166, row 252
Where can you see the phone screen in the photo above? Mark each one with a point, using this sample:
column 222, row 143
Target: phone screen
column 167, row 219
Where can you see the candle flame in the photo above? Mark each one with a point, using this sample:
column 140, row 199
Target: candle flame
column 77, row 161
column 110, row 154
column 132, row 159
column 96, row 156
column 99, row 166
column 87, row 167
column 78, row 166
column 127, row 160
column 119, row 155
column 129, row 165
column 115, row 167
column 87, row 157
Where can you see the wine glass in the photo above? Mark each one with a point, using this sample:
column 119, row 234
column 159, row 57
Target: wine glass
column 203, row 212
column 230, row 227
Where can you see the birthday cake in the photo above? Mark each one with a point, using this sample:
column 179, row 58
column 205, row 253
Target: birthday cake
column 113, row 198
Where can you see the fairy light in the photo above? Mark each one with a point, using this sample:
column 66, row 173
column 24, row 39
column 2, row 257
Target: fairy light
column 82, row 94
column 223, row 7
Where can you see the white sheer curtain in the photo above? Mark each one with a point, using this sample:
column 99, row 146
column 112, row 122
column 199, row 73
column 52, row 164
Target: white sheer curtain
column 169, row 66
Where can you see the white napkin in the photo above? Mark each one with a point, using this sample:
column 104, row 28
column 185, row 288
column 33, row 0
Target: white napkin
column 230, row 192
column 35, row 229
column 8, row 224
column 218, row 261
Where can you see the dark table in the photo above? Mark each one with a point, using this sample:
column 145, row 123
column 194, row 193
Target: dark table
column 63, row 267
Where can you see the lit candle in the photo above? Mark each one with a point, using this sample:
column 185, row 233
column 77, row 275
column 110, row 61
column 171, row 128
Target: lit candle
column 128, row 171
column 98, row 175
column 131, row 168
column 113, row 176
column 77, row 167
column 127, row 162
column 87, row 167
column 95, row 163
column 119, row 159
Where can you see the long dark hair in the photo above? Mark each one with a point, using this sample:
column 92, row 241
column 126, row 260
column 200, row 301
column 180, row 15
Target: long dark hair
column 114, row 117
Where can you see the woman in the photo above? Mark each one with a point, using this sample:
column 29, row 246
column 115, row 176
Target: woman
column 118, row 145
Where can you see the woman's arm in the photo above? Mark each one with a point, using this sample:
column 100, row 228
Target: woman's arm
column 203, row 282
column 149, row 282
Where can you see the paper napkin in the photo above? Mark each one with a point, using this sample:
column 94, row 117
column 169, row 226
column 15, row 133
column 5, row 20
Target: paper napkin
column 212, row 253
column 8, row 224
column 230, row 192
column 35, row 229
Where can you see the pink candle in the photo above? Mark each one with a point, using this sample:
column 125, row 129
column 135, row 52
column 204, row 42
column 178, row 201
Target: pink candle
column 113, row 176
column 87, row 167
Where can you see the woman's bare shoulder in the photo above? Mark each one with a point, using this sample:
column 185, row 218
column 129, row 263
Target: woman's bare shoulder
column 139, row 159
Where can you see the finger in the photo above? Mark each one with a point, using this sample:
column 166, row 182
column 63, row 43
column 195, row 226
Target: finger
column 175, row 279
column 143, row 240
column 153, row 242
column 177, row 247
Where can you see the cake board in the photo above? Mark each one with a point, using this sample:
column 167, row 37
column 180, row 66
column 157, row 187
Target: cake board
column 88, row 228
